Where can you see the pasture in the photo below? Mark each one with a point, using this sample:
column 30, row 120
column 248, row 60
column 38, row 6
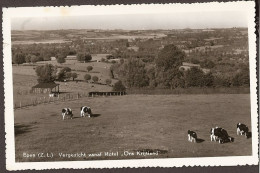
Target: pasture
column 133, row 123
column 24, row 77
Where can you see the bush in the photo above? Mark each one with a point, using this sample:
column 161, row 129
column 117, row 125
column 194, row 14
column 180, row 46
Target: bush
column 19, row 58
column 87, row 77
column 34, row 59
column 89, row 68
column 60, row 59
column 95, row 79
column 108, row 81
column 119, row 86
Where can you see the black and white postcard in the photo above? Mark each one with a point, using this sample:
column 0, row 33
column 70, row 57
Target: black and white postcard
column 151, row 85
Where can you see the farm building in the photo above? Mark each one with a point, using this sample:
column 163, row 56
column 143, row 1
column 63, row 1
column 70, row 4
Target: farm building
column 53, row 58
column 46, row 88
column 187, row 66
column 71, row 57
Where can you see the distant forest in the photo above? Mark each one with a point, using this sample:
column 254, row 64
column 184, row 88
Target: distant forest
column 149, row 59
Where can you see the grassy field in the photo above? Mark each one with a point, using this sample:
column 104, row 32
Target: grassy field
column 23, row 83
column 133, row 123
column 24, row 77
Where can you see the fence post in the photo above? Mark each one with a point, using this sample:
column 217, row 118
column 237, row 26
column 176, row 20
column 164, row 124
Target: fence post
column 20, row 104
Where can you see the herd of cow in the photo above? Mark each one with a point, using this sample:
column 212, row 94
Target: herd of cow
column 219, row 134
column 216, row 134
column 84, row 110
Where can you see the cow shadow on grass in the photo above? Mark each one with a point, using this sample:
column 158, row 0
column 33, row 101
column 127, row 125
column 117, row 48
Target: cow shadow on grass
column 92, row 116
column 199, row 140
column 249, row 135
column 95, row 115
column 22, row 128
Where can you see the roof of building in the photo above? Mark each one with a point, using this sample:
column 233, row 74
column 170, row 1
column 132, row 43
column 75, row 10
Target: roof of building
column 46, row 85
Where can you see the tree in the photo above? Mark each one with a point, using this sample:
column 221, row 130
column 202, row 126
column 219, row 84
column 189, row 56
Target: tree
column 68, row 75
column 95, row 79
column 195, row 77
column 19, row 58
column 169, row 60
column 84, row 57
column 89, row 68
column 46, row 73
column 74, row 76
column 60, row 59
column 64, row 74
column 242, row 78
column 108, row 81
column 88, row 57
column 28, row 58
column 170, row 57
column 132, row 72
column 87, row 77
column 34, row 59
column 119, row 86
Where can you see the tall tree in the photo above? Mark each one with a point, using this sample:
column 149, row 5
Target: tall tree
column 46, row 73
column 169, row 60
column 133, row 73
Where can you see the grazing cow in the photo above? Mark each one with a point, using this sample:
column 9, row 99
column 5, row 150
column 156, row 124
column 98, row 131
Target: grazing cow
column 66, row 112
column 192, row 136
column 219, row 134
column 85, row 110
column 242, row 129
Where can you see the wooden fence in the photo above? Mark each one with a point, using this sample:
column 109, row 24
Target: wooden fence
column 115, row 93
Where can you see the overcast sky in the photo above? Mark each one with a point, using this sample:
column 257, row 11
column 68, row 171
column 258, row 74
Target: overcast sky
column 129, row 17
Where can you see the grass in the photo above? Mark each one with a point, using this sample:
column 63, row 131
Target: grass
column 132, row 123
column 24, row 77
column 157, row 91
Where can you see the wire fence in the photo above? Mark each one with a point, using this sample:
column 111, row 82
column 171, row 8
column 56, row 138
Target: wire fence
column 62, row 98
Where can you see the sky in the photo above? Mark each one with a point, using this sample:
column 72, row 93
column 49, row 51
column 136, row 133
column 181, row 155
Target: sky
column 129, row 17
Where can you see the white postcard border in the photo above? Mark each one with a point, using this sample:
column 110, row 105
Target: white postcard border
column 8, row 13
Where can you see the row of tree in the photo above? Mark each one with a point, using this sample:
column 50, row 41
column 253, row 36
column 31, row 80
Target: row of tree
column 20, row 58
column 166, row 73
column 49, row 73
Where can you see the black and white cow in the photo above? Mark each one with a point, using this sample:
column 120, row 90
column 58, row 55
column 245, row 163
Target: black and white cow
column 219, row 134
column 242, row 129
column 66, row 112
column 85, row 110
column 192, row 136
